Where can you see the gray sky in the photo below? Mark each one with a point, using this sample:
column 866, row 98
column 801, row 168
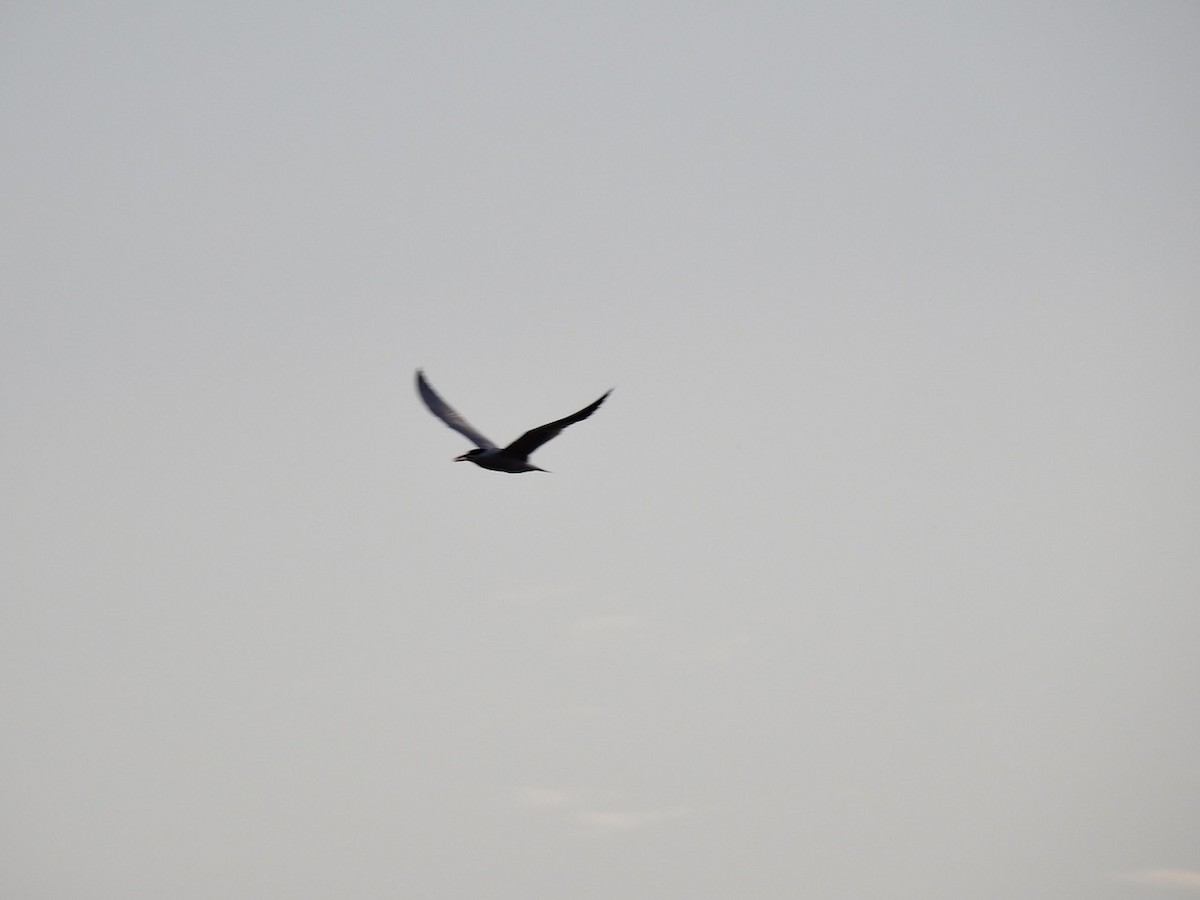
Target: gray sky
column 877, row 575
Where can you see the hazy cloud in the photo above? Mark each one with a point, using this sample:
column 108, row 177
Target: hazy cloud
column 595, row 811
column 1185, row 879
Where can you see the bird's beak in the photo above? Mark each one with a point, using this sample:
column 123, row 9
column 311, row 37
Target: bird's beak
column 462, row 458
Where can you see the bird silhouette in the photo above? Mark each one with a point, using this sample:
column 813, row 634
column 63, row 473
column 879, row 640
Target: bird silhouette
column 513, row 458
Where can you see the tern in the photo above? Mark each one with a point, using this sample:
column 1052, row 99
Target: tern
column 513, row 458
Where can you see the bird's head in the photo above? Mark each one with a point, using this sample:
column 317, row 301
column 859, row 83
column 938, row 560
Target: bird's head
column 469, row 455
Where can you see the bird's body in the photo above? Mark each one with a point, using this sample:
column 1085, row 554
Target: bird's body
column 497, row 460
column 515, row 457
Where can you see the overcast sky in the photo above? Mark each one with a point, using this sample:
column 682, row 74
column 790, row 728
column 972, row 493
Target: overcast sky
column 877, row 576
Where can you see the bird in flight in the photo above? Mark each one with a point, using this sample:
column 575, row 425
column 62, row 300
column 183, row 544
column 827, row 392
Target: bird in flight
column 514, row 457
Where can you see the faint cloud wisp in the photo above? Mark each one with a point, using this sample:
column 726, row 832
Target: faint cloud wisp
column 612, row 820
column 594, row 812
column 1177, row 879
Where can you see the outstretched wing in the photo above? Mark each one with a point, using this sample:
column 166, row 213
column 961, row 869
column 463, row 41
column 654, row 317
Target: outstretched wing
column 535, row 437
column 446, row 413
